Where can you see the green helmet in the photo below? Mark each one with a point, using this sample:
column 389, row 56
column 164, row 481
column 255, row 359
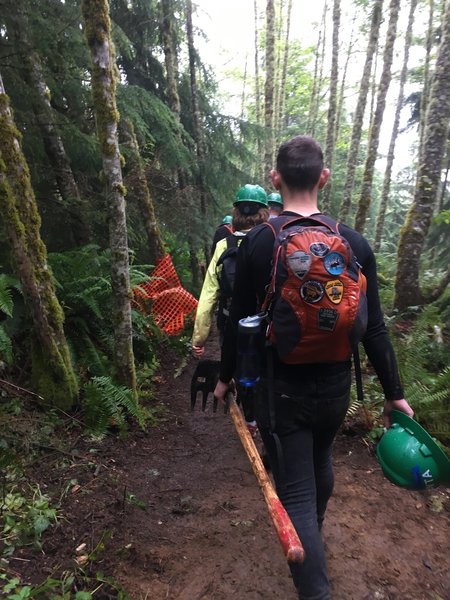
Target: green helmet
column 251, row 193
column 409, row 456
column 227, row 220
column 275, row 198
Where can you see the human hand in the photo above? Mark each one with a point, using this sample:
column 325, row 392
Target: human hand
column 390, row 405
column 198, row 351
column 222, row 389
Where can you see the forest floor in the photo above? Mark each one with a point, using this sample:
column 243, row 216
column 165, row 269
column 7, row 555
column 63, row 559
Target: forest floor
column 176, row 513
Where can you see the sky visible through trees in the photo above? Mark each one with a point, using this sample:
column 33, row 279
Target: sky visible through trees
column 229, row 44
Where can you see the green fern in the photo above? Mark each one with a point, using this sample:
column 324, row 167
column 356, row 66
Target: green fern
column 6, row 353
column 108, row 404
column 6, row 299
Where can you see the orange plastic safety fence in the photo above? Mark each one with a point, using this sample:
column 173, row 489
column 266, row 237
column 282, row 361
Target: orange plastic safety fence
column 165, row 299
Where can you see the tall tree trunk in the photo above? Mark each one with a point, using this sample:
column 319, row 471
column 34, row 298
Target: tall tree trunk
column 332, row 105
column 104, row 77
column 426, row 76
column 52, row 371
column 340, row 103
column 358, row 119
column 197, row 124
column 318, row 76
column 260, row 168
column 374, row 135
column 19, row 28
column 269, row 89
column 138, row 183
column 279, row 8
column 284, row 73
column 395, row 127
column 413, row 234
column 170, row 57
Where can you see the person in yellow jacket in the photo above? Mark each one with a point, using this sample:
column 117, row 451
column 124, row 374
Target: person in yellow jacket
column 250, row 208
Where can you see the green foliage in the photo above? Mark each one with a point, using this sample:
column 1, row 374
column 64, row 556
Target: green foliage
column 67, row 587
column 24, row 518
column 7, row 284
column 424, row 359
column 106, row 404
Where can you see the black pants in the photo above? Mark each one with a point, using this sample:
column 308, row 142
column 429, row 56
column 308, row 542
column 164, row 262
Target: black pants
column 307, row 416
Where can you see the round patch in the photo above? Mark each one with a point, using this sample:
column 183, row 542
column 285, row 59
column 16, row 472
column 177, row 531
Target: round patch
column 312, row 291
column 334, row 263
column 319, row 248
column 299, row 262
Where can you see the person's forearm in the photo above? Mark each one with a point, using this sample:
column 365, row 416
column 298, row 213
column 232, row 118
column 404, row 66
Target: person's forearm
column 382, row 358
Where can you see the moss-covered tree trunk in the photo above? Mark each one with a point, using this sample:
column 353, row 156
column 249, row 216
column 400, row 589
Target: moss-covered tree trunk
column 374, row 134
column 391, row 152
column 358, row 119
column 269, row 89
column 138, row 183
column 19, row 28
column 52, row 372
column 414, row 232
column 424, row 97
column 332, row 105
column 103, row 80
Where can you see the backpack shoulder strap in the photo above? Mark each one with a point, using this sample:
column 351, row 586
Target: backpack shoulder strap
column 232, row 242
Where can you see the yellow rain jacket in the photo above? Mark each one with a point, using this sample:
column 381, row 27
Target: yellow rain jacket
column 209, row 295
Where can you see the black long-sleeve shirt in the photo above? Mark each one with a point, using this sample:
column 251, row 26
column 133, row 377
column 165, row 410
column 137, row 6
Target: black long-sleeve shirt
column 253, row 269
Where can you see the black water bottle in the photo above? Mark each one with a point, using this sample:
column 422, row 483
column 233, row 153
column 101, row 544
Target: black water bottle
column 249, row 348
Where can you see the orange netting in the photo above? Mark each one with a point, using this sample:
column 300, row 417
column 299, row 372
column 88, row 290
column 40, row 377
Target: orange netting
column 165, row 299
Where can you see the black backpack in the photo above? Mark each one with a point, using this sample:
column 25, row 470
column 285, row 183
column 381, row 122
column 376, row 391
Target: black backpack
column 226, row 277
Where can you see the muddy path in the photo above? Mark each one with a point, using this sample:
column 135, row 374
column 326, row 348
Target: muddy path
column 176, row 513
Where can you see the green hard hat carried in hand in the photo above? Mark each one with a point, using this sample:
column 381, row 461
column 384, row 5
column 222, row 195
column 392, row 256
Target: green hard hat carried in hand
column 410, row 457
column 227, row 220
column 275, row 198
column 251, row 193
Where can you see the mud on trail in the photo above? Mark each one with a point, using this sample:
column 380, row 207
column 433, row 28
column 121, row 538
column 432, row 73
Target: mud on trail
column 177, row 513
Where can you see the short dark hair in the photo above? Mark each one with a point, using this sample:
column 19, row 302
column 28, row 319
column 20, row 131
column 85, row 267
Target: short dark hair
column 300, row 162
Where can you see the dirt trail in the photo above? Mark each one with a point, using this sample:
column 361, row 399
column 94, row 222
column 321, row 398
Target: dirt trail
column 181, row 517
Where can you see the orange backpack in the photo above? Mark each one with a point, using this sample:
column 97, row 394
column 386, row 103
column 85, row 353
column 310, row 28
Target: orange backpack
column 316, row 302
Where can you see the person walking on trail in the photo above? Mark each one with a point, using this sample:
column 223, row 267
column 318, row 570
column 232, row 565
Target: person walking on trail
column 300, row 407
column 224, row 230
column 249, row 209
column 275, row 204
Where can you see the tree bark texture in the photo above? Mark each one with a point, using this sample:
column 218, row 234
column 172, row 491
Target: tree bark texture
column 52, row 371
column 98, row 35
column 374, row 134
column 139, row 185
column 395, row 127
column 269, row 90
column 413, row 234
column 426, row 75
column 169, row 58
column 358, row 119
column 332, row 105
